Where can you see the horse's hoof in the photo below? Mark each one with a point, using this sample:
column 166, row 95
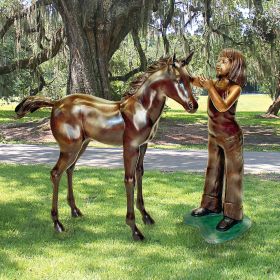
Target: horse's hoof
column 58, row 226
column 137, row 236
column 76, row 213
column 148, row 220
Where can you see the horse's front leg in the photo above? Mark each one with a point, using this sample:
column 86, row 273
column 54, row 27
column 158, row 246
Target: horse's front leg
column 130, row 155
column 147, row 219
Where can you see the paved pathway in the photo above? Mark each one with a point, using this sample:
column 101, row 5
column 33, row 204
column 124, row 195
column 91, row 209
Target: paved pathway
column 168, row 160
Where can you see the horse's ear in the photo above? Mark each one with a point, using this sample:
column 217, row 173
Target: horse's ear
column 188, row 59
column 173, row 59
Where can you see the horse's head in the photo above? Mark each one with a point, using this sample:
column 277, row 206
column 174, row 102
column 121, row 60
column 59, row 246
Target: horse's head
column 182, row 92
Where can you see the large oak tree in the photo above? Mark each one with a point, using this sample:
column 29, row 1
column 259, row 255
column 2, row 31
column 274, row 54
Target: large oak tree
column 93, row 30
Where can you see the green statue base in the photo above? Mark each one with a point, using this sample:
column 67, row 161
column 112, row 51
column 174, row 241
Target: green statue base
column 207, row 225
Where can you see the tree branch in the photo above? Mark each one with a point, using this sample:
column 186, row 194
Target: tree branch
column 166, row 22
column 42, row 84
column 142, row 56
column 225, row 36
column 10, row 21
column 186, row 44
column 137, row 44
column 190, row 19
column 154, row 27
column 128, row 75
column 169, row 15
column 34, row 61
column 207, row 14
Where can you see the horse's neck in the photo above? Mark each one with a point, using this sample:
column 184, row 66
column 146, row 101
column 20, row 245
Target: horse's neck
column 153, row 101
column 152, row 96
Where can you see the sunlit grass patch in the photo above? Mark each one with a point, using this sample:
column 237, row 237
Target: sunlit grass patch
column 246, row 103
column 7, row 115
column 249, row 110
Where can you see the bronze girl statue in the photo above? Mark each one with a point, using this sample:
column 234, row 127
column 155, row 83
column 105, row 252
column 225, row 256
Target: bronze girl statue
column 225, row 141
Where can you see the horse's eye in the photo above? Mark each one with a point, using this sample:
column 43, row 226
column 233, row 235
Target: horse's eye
column 181, row 84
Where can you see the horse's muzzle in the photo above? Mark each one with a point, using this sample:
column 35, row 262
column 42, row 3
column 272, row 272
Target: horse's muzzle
column 191, row 107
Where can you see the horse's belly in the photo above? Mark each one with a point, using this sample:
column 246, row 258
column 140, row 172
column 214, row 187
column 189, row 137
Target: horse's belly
column 110, row 138
column 105, row 130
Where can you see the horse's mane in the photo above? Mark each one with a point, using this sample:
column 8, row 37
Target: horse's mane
column 140, row 80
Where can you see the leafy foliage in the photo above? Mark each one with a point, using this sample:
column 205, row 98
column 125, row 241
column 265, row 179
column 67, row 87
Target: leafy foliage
column 205, row 26
column 26, row 38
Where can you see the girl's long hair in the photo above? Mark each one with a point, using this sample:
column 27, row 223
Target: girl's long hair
column 237, row 72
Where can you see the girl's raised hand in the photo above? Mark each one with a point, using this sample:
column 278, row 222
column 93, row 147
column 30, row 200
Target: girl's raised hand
column 205, row 83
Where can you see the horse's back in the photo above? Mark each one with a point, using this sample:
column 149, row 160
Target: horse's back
column 86, row 100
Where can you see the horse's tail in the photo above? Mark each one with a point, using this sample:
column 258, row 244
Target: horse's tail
column 31, row 104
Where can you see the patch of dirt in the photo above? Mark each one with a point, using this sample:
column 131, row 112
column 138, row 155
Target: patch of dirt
column 31, row 132
column 269, row 176
column 169, row 133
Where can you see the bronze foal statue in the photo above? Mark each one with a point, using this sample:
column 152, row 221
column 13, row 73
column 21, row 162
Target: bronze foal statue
column 132, row 122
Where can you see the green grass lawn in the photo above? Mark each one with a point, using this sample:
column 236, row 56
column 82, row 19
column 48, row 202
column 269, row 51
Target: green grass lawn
column 99, row 245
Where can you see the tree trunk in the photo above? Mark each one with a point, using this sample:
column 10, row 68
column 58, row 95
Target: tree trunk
column 275, row 106
column 94, row 30
column 166, row 22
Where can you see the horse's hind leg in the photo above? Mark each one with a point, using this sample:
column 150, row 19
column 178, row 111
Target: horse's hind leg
column 131, row 155
column 75, row 211
column 147, row 219
column 64, row 161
